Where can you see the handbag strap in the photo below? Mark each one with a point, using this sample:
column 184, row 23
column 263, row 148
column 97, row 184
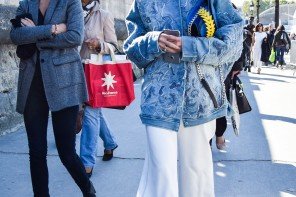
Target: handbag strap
column 207, row 87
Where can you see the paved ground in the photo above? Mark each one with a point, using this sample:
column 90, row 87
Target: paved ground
column 260, row 162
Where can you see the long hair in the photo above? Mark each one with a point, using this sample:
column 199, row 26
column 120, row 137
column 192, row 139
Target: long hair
column 258, row 27
column 280, row 28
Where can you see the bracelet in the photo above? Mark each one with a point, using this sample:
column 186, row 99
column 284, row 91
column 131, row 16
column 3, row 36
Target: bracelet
column 55, row 29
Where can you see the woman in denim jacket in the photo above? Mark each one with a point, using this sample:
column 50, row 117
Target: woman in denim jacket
column 178, row 111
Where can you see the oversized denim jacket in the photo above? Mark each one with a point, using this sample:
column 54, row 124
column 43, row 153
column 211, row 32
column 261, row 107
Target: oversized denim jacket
column 172, row 93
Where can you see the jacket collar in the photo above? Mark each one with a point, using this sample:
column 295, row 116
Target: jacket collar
column 50, row 10
column 34, row 10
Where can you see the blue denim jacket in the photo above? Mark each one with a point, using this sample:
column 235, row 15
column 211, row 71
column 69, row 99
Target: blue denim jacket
column 172, row 93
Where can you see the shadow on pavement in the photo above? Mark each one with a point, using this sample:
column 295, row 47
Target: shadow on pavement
column 268, row 79
column 276, row 75
column 246, row 168
column 278, row 118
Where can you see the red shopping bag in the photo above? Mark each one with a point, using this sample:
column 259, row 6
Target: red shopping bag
column 110, row 83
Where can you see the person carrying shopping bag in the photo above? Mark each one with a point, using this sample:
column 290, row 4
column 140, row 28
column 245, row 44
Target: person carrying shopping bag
column 99, row 32
column 186, row 48
column 51, row 79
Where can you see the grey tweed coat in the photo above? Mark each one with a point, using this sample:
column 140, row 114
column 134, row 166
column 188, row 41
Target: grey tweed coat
column 61, row 67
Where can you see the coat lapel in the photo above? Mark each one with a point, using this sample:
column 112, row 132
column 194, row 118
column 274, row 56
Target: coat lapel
column 33, row 9
column 50, row 10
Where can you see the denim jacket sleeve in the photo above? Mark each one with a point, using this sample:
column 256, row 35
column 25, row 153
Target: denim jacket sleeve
column 27, row 35
column 141, row 46
column 225, row 46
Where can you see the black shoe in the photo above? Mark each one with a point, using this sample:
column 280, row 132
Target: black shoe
column 108, row 156
column 91, row 192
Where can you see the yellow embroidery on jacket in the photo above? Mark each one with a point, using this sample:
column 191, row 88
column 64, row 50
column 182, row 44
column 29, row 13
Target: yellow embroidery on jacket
column 208, row 20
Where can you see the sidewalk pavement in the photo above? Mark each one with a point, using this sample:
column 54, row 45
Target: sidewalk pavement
column 260, row 162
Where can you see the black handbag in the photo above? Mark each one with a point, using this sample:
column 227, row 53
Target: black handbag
column 242, row 101
column 24, row 51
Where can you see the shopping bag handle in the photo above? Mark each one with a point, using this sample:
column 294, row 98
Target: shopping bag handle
column 98, row 59
column 111, row 52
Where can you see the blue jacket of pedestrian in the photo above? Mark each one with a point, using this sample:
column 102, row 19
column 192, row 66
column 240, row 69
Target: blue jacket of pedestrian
column 173, row 93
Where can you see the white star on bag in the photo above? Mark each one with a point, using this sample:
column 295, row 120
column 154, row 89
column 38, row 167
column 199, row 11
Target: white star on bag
column 109, row 80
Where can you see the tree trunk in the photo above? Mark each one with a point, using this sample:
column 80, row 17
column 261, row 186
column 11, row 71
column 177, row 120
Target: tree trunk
column 258, row 11
column 277, row 13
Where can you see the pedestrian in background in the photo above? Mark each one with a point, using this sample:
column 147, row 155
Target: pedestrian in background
column 281, row 44
column 270, row 38
column 176, row 107
column 266, row 48
column 99, row 31
column 52, row 79
column 247, row 49
column 258, row 37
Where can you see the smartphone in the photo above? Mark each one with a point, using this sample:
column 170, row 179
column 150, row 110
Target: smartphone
column 172, row 57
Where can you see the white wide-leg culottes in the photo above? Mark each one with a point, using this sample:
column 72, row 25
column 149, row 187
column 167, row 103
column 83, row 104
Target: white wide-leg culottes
column 193, row 177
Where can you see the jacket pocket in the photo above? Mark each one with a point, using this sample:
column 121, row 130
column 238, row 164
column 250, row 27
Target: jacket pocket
column 68, row 70
column 64, row 59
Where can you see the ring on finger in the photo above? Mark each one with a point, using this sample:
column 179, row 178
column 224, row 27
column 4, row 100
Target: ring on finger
column 165, row 49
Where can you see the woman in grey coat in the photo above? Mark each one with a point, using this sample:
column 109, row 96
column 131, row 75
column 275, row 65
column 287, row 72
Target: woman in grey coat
column 51, row 79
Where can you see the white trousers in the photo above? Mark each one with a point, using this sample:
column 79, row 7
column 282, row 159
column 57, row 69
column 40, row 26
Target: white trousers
column 258, row 64
column 193, row 177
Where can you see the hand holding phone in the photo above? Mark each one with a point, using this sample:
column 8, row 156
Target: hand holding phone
column 170, row 42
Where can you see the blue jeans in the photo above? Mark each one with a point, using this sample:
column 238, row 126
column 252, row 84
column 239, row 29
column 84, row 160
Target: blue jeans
column 280, row 51
column 94, row 125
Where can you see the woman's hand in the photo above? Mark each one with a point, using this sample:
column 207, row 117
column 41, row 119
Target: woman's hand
column 58, row 29
column 170, row 43
column 93, row 43
column 27, row 22
column 62, row 28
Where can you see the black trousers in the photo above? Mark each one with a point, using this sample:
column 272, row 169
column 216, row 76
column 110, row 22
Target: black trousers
column 64, row 121
column 221, row 125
